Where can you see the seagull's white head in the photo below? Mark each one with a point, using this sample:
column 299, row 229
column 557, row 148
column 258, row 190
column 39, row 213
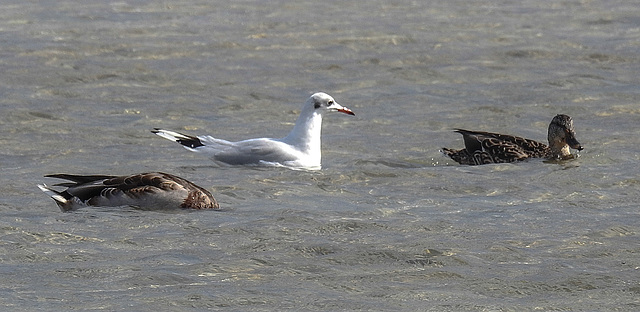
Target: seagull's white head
column 323, row 102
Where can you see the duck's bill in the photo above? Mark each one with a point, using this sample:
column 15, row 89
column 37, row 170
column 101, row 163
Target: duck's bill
column 573, row 143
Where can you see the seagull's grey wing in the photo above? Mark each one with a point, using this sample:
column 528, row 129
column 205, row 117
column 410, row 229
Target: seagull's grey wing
column 255, row 151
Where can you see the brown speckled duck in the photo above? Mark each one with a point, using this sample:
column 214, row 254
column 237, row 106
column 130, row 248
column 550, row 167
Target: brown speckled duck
column 148, row 191
column 486, row 147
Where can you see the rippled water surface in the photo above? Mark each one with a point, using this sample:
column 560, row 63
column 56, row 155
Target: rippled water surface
column 389, row 223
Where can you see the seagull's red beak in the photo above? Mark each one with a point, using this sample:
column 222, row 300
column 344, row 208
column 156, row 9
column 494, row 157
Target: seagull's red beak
column 346, row 111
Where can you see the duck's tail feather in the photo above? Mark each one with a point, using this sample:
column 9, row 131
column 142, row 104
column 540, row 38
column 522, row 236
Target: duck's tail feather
column 65, row 203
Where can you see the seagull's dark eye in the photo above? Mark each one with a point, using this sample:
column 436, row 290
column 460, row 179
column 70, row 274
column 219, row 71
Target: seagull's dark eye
column 330, row 103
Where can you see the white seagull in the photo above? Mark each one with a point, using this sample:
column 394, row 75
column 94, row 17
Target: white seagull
column 298, row 150
column 148, row 191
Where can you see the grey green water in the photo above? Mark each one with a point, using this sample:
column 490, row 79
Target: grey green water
column 389, row 223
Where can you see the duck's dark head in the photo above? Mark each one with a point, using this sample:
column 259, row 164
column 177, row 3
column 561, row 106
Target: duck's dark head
column 562, row 136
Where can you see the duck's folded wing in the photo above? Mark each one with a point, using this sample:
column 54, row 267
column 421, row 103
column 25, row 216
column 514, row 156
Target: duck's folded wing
column 86, row 187
column 148, row 182
column 78, row 179
column 82, row 186
column 503, row 151
column 530, row 147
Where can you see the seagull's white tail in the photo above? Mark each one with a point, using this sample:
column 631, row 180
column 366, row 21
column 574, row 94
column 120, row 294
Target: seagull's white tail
column 170, row 135
column 186, row 140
